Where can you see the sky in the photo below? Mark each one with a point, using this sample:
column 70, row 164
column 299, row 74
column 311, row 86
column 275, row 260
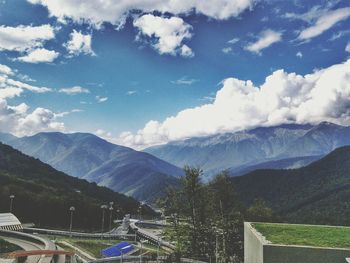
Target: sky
column 146, row 72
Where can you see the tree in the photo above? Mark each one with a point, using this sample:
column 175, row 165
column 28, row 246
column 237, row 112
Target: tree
column 204, row 218
column 260, row 212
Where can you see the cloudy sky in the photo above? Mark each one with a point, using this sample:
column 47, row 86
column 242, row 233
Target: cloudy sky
column 145, row 72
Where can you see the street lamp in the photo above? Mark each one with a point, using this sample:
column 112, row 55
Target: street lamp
column 140, row 211
column 71, row 210
column 11, row 202
column 159, row 240
column 103, row 207
column 110, row 218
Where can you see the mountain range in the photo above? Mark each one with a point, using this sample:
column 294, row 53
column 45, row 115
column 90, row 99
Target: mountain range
column 284, row 146
column 316, row 194
column 44, row 195
column 87, row 156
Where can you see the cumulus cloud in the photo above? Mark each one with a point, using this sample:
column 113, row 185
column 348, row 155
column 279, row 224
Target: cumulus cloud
column 323, row 95
column 325, row 22
column 96, row 12
column 266, row 39
column 23, row 38
column 20, row 121
column 169, row 33
column 5, row 70
column 39, row 55
column 74, row 90
column 17, row 119
column 79, row 44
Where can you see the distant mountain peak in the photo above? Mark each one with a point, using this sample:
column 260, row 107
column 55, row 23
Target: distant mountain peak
column 88, row 156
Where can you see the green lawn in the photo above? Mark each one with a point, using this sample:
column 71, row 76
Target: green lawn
column 319, row 236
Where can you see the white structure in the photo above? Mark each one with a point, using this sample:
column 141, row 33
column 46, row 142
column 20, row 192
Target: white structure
column 9, row 221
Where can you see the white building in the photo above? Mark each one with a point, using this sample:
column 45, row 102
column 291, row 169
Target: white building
column 9, row 221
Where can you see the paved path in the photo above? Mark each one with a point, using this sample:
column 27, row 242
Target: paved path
column 26, row 245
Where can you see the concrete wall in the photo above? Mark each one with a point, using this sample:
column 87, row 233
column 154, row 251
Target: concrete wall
column 253, row 245
column 293, row 254
column 266, row 252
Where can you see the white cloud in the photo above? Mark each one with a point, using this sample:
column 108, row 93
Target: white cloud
column 325, row 22
column 39, row 55
column 323, row 95
column 23, row 38
column 226, row 50
column 312, row 14
column 233, row 41
column 96, row 12
column 10, row 88
column 299, row 54
column 5, row 70
column 65, row 113
column 339, row 34
column 186, row 51
column 347, row 48
column 131, row 92
column 101, row 99
column 104, row 134
column 79, row 44
column 266, row 39
column 184, row 81
column 168, row 33
column 10, row 92
column 25, row 77
column 19, row 121
column 21, row 85
column 74, row 90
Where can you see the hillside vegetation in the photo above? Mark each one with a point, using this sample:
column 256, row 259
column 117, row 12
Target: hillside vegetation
column 44, row 195
column 318, row 193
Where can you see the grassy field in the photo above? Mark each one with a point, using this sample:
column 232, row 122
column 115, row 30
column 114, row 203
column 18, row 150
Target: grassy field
column 6, row 247
column 318, row 236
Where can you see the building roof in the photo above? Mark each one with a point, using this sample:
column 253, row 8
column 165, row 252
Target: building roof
column 8, row 219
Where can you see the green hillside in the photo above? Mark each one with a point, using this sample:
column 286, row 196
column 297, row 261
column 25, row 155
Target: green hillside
column 44, row 195
column 318, row 193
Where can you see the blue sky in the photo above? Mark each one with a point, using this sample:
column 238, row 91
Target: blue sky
column 127, row 67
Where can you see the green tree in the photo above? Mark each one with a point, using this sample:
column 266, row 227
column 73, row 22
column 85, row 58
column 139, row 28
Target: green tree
column 260, row 212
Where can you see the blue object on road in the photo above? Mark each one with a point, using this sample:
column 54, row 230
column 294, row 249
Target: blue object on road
column 117, row 250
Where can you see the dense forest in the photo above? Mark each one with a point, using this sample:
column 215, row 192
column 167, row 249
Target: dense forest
column 316, row 194
column 43, row 195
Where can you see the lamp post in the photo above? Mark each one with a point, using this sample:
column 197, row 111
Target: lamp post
column 71, row 210
column 103, row 207
column 11, row 202
column 110, row 218
column 140, row 211
column 158, row 249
